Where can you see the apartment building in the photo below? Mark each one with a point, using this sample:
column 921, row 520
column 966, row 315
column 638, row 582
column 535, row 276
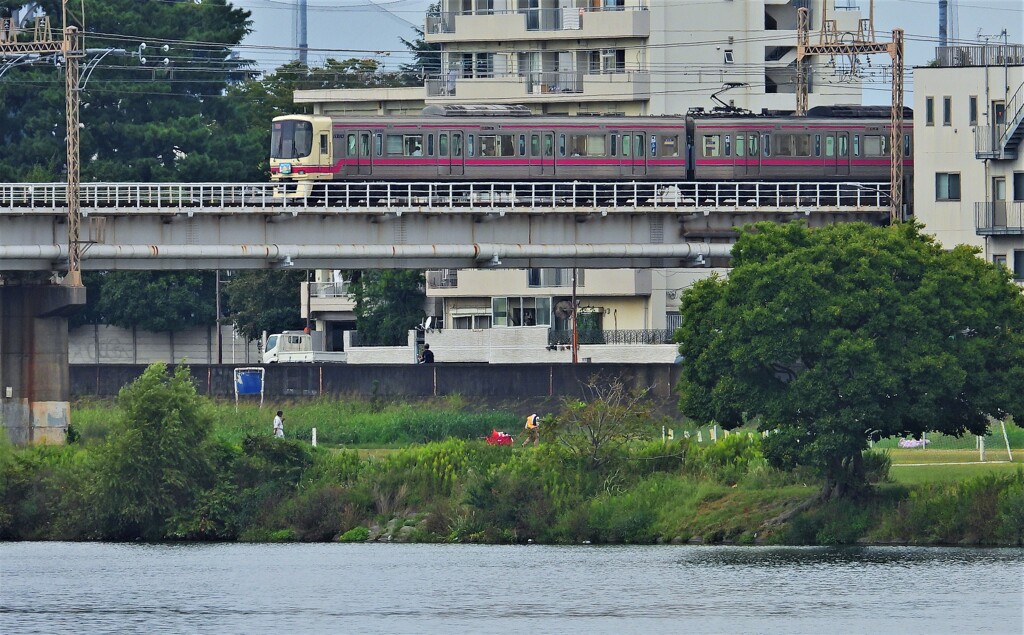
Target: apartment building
column 632, row 57
column 968, row 157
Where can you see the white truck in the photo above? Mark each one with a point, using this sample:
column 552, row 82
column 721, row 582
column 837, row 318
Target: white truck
column 299, row 346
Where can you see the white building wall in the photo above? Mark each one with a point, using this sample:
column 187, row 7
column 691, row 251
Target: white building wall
column 950, row 149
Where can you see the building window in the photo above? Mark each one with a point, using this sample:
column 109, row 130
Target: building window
column 999, row 259
column 929, row 111
column 1018, row 186
column 1018, row 264
column 947, row 111
column 972, row 109
column 947, row 186
column 521, row 311
column 553, row 277
column 728, row 56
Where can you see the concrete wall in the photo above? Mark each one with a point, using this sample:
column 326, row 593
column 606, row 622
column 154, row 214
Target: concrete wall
column 484, row 381
column 529, row 345
column 114, row 345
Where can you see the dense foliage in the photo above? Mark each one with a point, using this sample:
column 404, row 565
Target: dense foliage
column 389, row 303
column 169, row 465
column 264, row 301
column 835, row 336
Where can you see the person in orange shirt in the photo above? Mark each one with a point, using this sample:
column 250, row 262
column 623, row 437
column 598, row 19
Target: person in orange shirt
column 532, row 430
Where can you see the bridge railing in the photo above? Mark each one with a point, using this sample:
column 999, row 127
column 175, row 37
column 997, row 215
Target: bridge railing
column 439, row 196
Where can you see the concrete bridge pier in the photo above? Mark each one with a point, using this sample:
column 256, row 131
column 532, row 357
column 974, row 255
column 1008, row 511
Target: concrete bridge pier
column 35, row 387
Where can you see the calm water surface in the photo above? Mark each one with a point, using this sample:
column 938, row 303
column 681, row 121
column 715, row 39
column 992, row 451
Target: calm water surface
column 443, row 589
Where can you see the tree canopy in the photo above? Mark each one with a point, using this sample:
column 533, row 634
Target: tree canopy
column 264, row 301
column 830, row 337
column 389, row 302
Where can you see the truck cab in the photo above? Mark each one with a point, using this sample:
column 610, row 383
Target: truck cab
column 299, row 346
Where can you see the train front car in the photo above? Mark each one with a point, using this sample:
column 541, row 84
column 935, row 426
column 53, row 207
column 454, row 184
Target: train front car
column 301, row 154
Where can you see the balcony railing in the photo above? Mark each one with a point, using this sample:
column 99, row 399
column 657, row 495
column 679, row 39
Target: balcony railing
column 623, row 336
column 443, row 279
column 979, row 55
column 329, row 289
column 533, row 83
column 537, row 19
column 999, row 218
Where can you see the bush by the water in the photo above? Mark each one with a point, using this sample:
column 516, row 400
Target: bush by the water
column 164, row 469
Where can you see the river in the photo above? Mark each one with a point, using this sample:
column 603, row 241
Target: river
column 446, row 589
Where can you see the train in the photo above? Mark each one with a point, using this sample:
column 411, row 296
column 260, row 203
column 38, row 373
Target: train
column 508, row 144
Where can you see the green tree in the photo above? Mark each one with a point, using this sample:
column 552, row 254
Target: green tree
column 264, row 301
column 835, row 336
column 150, row 122
column 157, row 461
column 426, row 56
column 155, row 301
column 389, row 303
column 598, row 428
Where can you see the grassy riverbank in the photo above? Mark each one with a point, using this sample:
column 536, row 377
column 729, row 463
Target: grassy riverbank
column 420, row 472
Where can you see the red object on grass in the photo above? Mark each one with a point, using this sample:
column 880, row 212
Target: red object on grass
column 498, row 438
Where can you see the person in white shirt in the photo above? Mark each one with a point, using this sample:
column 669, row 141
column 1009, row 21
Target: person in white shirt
column 279, row 425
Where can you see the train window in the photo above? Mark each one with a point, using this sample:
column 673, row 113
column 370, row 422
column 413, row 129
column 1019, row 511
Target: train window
column 856, row 145
column 364, row 144
column 535, row 145
column 830, row 146
column 711, row 145
column 615, row 145
column 793, row 145
column 522, row 145
column 875, row 145
column 430, row 145
column 588, row 145
column 752, row 145
column 728, row 145
column 844, row 142
column 639, row 145
column 625, row 145
column 817, row 145
column 324, row 144
column 906, row 145
column 456, row 144
column 561, row 145
column 741, row 145
column 472, row 145
column 501, row 145
column 442, row 144
column 549, row 145
column 378, row 142
column 350, row 145
column 670, row 145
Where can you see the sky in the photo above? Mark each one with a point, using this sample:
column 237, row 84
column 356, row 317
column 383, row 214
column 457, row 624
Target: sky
column 371, row 28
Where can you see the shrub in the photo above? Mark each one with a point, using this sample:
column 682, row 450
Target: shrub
column 356, row 534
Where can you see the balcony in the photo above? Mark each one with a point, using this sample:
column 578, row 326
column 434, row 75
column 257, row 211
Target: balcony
column 999, row 218
column 571, row 86
column 323, row 299
column 540, row 24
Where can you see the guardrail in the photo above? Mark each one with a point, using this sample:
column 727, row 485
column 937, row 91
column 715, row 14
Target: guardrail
column 113, row 198
column 624, row 336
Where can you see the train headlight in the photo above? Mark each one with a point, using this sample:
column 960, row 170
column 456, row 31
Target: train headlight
column 285, row 168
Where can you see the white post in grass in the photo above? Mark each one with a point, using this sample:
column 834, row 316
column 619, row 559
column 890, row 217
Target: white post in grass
column 981, row 448
column 1009, row 454
column 714, row 434
column 314, row 437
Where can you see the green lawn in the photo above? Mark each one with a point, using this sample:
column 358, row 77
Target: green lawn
column 939, row 473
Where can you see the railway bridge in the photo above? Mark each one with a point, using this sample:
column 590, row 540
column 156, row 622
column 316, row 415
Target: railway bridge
column 148, row 226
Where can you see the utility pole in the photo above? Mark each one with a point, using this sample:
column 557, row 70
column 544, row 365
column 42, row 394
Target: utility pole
column 42, row 42
column 863, row 43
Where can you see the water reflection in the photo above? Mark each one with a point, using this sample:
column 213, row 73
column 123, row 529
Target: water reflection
column 330, row 588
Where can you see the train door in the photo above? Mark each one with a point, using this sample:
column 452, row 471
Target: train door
column 746, row 157
column 629, row 148
column 357, row 150
column 451, row 153
column 542, row 153
column 837, row 153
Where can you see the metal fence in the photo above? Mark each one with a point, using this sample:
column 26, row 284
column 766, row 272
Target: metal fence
column 999, row 217
column 623, row 336
column 112, row 198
